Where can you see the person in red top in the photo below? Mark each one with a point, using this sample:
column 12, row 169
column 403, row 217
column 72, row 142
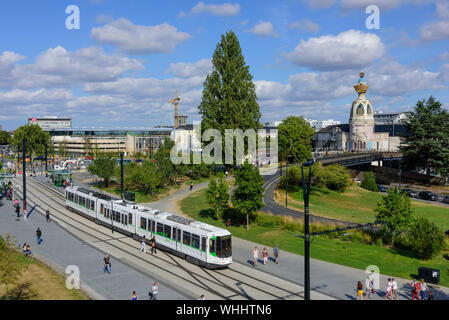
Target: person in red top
column 415, row 290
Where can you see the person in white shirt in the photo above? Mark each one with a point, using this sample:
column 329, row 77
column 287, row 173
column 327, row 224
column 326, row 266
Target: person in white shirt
column 154, row 291
column 368, row 287
column 394, row 287
column 389, row 290
column 143, row 244
column 255, row 256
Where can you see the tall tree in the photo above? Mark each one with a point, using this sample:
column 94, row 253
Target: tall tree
column 247, row 197
column 35, row 138
column 103, row 166
column 395, row 210
column 229, row 96
column 295, row 138
column 428, row 143
column 217, row 196
column 5, row 138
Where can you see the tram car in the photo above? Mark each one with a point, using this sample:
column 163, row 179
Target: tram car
column 195, row 241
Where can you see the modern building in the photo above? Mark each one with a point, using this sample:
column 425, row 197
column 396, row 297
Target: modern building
column 390, row 118
column 51, row 122
column 361, row 133
column 320, row 124
column 84, row 141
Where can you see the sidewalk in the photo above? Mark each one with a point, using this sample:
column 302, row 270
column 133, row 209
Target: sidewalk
column 64, row 249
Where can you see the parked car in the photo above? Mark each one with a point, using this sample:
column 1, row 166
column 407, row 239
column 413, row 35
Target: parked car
column 446, row 199
column 382, row 188
column 410, row 193
column 427, row 195
column 357, row 180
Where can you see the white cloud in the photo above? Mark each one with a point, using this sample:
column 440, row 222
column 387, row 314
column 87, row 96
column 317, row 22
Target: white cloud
column 349, row 49
column 362, row 4
column 434, row 31
column 186, row 70
column 139, row 39
column 225, row 9
column 321, row 4
column 263, row 28
column 305, row 24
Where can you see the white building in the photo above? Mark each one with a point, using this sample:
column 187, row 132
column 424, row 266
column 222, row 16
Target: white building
column 320, row 124
column 390, row 118
column 186, row 138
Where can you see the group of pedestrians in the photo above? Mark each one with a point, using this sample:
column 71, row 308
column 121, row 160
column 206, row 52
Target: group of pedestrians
column 391, row 291
column 152, row 294
column 26, row 249
column 256, row 254
column 143, row 245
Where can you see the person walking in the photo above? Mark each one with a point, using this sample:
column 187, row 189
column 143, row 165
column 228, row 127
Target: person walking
column 154, row 291
column 143, row 244
column 368, row 288
column 47, row 215
column 388, row 290
column 255, row 256
column 415, row 289
column 107, row 264
column 153, row 245
column 276, row 254
column 228, row 223
column 39, row 236
column 18, row 211
column 424, row 289
column 359, row 291
column 134, row 296
column 265, row 256
column 394, row 288
column 191, row 186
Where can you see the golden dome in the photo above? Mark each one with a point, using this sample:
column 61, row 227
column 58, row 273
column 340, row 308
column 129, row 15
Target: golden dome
column 361, row 88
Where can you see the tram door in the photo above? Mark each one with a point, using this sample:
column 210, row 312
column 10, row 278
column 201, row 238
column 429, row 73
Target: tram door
column 203, row 245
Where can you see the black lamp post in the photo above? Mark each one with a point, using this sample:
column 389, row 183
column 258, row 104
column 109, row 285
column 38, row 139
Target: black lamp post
column 286, row 175
column 306, row 193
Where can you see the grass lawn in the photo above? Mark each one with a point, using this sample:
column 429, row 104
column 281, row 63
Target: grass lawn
column 44, row 282
column 357, row 204
column 352, row 254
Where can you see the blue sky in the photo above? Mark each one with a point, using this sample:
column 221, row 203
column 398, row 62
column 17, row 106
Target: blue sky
column 129, row 57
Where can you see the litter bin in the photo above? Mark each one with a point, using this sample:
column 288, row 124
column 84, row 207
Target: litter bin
column 130, row 196
column 429, row 275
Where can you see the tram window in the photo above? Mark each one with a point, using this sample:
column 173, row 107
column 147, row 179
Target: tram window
column 224, row 248
column 160, row 228
column 179, row 235
column 212, row 245
column 87, row 203
column 101, row 208
column 143, row 223
column 107, row 213
column 122, row 216
column 203, row 244
column 76, row 198
column 195, row 241
column 126, row 219
column 186, row 238
column 167, row 230
column 117, row 216
column 130, row 218
column 173, row 235
column 92, row 204
column 153, row 228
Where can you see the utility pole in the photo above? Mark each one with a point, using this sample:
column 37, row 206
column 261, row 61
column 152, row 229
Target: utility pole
column 46, row 160
column 24, row 174
column 121, row 174
column 306, row 193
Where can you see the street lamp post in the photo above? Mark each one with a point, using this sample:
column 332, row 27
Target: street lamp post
column 286, row 176
column 306, row 193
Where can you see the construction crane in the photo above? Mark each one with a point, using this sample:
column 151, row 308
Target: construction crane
column 175, row 101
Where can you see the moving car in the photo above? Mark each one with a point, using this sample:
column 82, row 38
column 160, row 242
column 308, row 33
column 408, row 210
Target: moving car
column 410, row 193
column 427, row 195
column 382, row 188
column 446, row 199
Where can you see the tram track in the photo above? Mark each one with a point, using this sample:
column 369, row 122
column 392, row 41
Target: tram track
column 200, row 278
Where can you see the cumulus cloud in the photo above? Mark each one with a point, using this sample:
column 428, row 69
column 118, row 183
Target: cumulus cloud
column 186, row 70
column 225, row 9
column 305, row 24
column 136, row 39
column 362, row 4
column 321, row 4
column 349, row 49
column 263, row 28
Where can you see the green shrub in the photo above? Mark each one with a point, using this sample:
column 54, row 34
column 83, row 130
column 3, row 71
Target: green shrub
column 369, row 181
column 336, row 177
column 424, row 238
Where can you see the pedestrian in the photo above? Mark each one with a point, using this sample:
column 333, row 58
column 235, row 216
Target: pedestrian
column 424, row 290
column 191, row 186
column 388, row 290
column 134, row 296
column 415, row 289
column 359, row 291
column 47, row 215
column 39, row 235
column 202, row 297
column 143, row 244
column 28, row 251
column 226, row 173
column 255, row 256
column 24, row 247
column 24, row 214
column 265, row 256
column 430, row 295
column 276, row 254
column 154, row 291
column 16, row 203
column 368, row 287
column 107, row 264
column 18, row 211
column 228, row 223
column 394, row 287
column 153, row 245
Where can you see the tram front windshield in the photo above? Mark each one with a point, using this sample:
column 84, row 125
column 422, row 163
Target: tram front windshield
column 224, row 247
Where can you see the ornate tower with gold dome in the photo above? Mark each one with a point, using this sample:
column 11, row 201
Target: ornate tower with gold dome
column 361, row 119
